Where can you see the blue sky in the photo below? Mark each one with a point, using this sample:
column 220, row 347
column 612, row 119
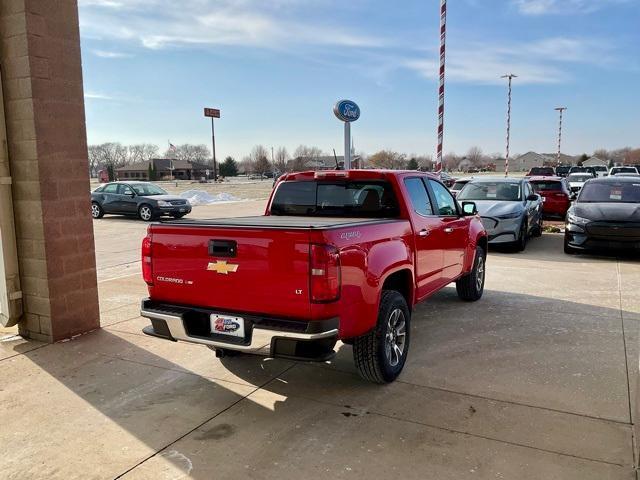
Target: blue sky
column 276, row 67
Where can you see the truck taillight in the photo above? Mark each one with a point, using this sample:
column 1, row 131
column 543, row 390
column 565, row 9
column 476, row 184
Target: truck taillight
column 324, row 273
column 147, row 268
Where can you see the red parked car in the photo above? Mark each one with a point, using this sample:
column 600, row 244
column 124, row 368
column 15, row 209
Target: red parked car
column 338, row 255
column 556, row 193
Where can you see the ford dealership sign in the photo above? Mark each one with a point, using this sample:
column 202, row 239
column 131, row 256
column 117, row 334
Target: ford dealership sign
column 347, row 111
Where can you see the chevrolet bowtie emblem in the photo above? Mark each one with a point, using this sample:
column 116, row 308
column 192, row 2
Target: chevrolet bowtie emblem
column 221, row 266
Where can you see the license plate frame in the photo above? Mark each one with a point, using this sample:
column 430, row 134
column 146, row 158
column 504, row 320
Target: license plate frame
column 227, row 325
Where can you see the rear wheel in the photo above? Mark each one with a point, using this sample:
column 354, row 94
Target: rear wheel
column 96, row 210
column 380, row 355
column 145, row 213
column 471, row 286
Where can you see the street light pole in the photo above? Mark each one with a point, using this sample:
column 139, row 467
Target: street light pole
column 213, row 143
column 560, row 110
column 509, row 76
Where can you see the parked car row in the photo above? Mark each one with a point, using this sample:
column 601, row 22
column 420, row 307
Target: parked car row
column 566, row 170
column 599, row 212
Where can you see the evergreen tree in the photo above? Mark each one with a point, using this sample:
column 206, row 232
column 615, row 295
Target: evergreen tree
column 229, row 168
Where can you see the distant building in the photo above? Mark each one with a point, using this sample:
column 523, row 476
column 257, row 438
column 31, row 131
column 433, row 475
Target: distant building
column 523, row 163
column 564, row 159
column 594, row 162
column 165, row 168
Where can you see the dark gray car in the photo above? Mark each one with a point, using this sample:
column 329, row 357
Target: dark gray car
column 141, row 199
column 511, row 212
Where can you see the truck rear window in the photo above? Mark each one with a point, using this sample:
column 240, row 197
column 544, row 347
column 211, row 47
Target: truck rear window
column 374, row 199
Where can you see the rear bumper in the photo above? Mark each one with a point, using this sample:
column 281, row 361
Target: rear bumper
column 264, row 335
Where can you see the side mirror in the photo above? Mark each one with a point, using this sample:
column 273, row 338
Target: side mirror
column 469, row 209
column 132, row 194
column 573, row 196
column 533, row 197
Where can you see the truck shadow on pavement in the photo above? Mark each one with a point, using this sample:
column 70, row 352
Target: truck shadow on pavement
column 129, row 404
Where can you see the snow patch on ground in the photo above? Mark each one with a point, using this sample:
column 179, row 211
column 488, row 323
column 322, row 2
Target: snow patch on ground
column 200, row 197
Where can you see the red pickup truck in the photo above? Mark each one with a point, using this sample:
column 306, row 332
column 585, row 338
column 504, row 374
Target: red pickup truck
column 338, row 255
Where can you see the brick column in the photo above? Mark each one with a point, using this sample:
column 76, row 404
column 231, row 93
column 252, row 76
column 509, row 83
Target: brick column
column 46, row 140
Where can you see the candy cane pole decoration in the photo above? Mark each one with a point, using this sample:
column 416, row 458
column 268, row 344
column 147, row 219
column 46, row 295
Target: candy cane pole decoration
column 443, row 34
column 506, row 158
column 559, row 109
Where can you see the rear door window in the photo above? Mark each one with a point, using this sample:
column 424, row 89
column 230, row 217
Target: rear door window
column 374, row 199
column 418, row 195
column 546, row 186
column 111, row 188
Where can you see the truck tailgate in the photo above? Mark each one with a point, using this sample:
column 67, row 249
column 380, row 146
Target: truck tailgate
column 246, row 269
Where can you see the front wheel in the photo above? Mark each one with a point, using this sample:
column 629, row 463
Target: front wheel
column 145, row 213
column 471, row 286
column 568, row 249
column 380, row 355
column 521, row 242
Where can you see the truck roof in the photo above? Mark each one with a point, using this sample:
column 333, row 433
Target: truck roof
column 351, row 174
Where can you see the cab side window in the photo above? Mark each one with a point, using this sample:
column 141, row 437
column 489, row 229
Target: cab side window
column 418, row 195
column 124, row 190
column 446, row 204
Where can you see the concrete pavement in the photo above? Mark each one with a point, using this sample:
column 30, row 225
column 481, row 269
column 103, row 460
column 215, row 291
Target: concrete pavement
column 534, row 381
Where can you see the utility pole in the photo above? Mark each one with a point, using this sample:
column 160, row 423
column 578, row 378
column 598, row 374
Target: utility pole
column 509, row 76
column 560, row 110
column 443, row 35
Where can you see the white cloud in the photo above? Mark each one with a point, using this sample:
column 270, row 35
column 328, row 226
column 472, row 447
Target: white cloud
column 110, row 54
column 159, row 24
column 545, row 7
column 97, row 96
column 538, row 62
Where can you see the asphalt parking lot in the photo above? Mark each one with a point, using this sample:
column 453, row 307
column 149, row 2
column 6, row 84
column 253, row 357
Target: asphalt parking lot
column 535, row 381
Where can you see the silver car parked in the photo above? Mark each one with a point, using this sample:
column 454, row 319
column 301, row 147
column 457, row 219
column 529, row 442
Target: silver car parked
column 511, row 212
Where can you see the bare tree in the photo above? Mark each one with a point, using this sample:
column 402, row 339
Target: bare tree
column 280, row 161
column 246, row 165
column 142, row 152
column 388, row 159
column 475, row 156
column 191, row 153
column 450, row 161
column 305, row 157
column 258, row 153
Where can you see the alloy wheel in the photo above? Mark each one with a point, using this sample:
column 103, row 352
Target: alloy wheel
column 480, row 273
column 95, row 210
column 395, row 338
column 145, row 213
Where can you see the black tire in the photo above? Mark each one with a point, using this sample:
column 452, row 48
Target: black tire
column 145, row 212
column 471, row 286
column 373, row 354
column 96, row 210
column 521, row 243
column 537, row 231
column 568, row 249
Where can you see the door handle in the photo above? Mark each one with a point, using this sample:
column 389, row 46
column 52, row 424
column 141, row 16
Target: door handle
column 448, row 230
column 423, row 233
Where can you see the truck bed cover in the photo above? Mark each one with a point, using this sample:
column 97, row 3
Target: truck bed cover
column 280, row 221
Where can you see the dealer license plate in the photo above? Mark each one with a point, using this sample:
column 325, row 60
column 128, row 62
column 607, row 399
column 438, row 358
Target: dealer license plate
column 226, row 325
